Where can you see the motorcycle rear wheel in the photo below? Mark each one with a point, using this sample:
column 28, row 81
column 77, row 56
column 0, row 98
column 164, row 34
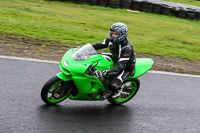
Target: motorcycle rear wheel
column 132, row 86
column 50, row 91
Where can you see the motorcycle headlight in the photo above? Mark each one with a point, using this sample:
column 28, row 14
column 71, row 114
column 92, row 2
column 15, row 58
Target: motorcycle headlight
column 65, row 63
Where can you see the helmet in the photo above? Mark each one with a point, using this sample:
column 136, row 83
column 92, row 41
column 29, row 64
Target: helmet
column 120, row 29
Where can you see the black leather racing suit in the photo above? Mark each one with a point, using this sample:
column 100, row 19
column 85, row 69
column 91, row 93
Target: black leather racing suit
column 124, row 58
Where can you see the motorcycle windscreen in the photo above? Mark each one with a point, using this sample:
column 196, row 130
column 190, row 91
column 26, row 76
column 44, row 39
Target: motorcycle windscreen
column 142, row 66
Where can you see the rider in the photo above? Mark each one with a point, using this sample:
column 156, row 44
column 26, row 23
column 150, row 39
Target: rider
column 123, row 56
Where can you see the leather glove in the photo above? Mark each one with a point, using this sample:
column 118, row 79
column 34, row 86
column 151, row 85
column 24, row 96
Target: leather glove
column 100, row 74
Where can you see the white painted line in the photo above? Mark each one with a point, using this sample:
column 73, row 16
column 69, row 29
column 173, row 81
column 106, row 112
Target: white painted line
column 172, row 73
column 28, row 59
column 55, row 62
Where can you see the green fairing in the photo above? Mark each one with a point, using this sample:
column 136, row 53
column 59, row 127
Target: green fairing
column 75, row 70
column 142, row 66
column 63, row 76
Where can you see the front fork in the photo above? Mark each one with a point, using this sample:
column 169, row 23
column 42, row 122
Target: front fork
column 67, row 81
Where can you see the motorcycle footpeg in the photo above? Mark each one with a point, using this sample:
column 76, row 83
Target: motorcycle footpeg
column 105, row 95
column 125, row 93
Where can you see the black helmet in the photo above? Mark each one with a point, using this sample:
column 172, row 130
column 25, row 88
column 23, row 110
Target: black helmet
column 118, row 28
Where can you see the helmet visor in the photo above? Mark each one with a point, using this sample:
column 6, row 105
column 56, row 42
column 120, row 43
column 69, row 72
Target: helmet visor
column 114, row 35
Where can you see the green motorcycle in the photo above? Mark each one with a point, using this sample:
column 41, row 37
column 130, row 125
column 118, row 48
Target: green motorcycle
column 77, row 80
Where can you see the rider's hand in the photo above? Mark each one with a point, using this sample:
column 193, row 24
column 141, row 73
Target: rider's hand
column 100, row 74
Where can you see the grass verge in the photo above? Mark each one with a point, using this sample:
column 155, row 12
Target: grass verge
column 71, row 25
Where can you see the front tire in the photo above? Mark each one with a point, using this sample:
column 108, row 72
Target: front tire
column 132, row 86
column 50, row 91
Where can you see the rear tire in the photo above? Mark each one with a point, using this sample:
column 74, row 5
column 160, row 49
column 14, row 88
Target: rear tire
column 51, row 90
column 131, row 83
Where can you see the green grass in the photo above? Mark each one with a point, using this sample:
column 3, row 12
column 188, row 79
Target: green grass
column 188, row 2
column 73, row 25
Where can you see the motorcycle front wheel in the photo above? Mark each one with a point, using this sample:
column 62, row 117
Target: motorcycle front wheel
column 130, row 88
column 51, row 91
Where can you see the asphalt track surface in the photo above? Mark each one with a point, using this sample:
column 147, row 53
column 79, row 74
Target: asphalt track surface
column 165, row 103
